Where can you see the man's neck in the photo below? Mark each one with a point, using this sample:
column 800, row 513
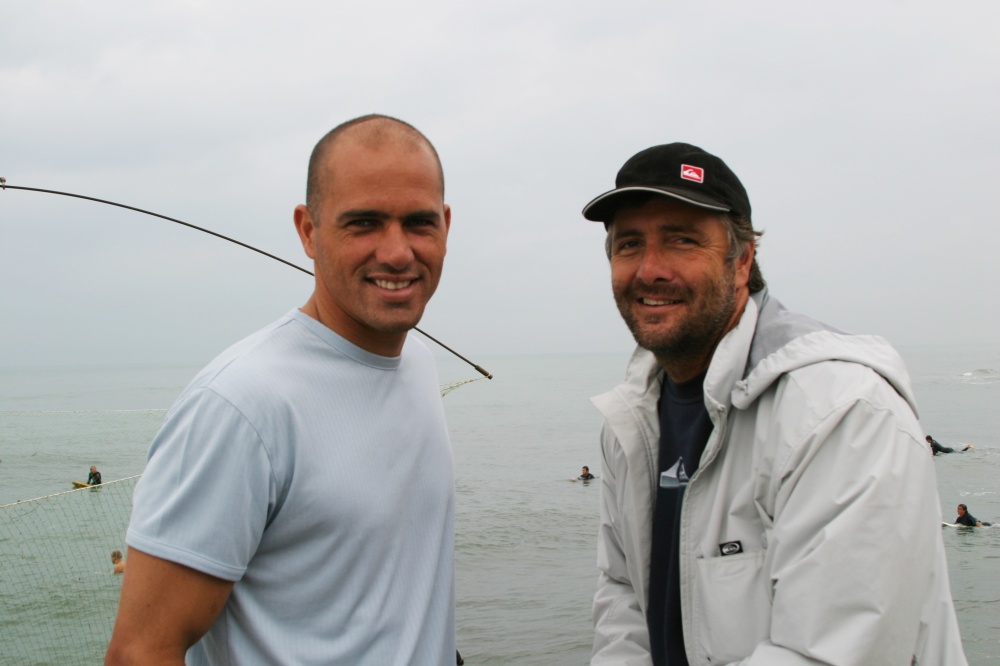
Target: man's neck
column 683, row 370
column 383, row 344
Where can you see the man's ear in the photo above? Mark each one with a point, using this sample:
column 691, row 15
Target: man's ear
column 306, row 228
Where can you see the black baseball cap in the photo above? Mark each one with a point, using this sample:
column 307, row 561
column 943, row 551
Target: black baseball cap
column 677, row 170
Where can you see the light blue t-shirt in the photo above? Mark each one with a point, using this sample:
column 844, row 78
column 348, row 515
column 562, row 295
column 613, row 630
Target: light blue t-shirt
column 319, row 477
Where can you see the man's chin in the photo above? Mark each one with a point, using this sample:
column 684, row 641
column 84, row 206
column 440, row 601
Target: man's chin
column 669, row 344
column 653, row 337
column 396, row 322
column 660, row 346
column 393, row 328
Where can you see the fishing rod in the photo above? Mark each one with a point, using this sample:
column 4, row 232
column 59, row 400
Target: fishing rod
column 5, row 186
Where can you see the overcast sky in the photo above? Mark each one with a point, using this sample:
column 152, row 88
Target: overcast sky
column 866, row 135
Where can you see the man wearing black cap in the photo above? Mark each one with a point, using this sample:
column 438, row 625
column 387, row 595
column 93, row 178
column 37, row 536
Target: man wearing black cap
column 749, row 453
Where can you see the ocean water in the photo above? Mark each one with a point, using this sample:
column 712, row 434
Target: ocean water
column 525, row 535
column 958, row 394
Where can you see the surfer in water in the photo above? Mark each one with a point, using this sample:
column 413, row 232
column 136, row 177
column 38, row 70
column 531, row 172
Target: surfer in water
column 585, row 475
column 967, row 519
column 937, row 447
column 95, row 477
column 116, row 559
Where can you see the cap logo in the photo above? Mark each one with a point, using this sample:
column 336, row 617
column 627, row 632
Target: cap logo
column 688, row 172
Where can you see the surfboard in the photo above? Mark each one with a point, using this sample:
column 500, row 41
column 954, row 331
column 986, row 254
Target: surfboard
column 80, row 484
column 981, row 527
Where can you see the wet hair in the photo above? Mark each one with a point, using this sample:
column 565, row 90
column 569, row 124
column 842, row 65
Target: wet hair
column 963, row 507
column 116, row 556
column 381, row 127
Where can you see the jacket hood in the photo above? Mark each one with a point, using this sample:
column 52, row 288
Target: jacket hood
column 774, row 341
column 784, row 341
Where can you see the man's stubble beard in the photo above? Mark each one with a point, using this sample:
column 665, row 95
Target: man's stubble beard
column 699, row 331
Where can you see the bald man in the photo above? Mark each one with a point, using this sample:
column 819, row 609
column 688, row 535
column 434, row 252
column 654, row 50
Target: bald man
column 298, row 502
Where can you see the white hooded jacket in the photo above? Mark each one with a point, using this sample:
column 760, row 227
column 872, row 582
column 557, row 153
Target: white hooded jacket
column 818, row 477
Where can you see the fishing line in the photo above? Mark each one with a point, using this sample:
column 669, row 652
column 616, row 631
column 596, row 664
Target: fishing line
column 5, row 186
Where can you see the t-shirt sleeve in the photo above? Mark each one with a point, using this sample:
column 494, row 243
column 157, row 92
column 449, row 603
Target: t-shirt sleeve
column 204, row 497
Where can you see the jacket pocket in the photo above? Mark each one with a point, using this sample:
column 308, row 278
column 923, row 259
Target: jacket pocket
column 732, row 605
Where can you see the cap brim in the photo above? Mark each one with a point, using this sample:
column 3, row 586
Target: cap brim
column 604, row 207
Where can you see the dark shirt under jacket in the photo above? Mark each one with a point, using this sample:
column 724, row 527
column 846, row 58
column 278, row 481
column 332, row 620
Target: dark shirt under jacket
column 684, row 430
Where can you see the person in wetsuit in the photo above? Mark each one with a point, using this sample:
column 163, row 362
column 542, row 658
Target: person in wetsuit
column 116, row 559
column 95, row 477
column 585, row 474
column 937, row 447
column 967, row 519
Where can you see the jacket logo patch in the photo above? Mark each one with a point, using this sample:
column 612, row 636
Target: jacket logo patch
column 688, row 172
column 730, row 548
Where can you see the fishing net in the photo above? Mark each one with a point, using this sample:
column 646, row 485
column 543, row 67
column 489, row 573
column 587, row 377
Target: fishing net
column 448, row 388
column 58, row 593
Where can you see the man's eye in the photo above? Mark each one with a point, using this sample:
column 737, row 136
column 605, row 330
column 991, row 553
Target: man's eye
column 420, row 222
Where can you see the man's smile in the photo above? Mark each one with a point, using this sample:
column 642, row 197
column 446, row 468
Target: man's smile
column 392, row 285
column 645, row 300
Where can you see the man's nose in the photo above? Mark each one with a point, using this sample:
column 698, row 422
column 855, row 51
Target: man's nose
column 654, row 265
column 394, row 247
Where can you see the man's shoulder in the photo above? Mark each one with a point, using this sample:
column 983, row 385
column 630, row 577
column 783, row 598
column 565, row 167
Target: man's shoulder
column 286, row 362
column 813, row 398
column 791, row 351
column 834, row 382
column 416, row 351
column 251, row 368
column 269, row 350
column 828, row 401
